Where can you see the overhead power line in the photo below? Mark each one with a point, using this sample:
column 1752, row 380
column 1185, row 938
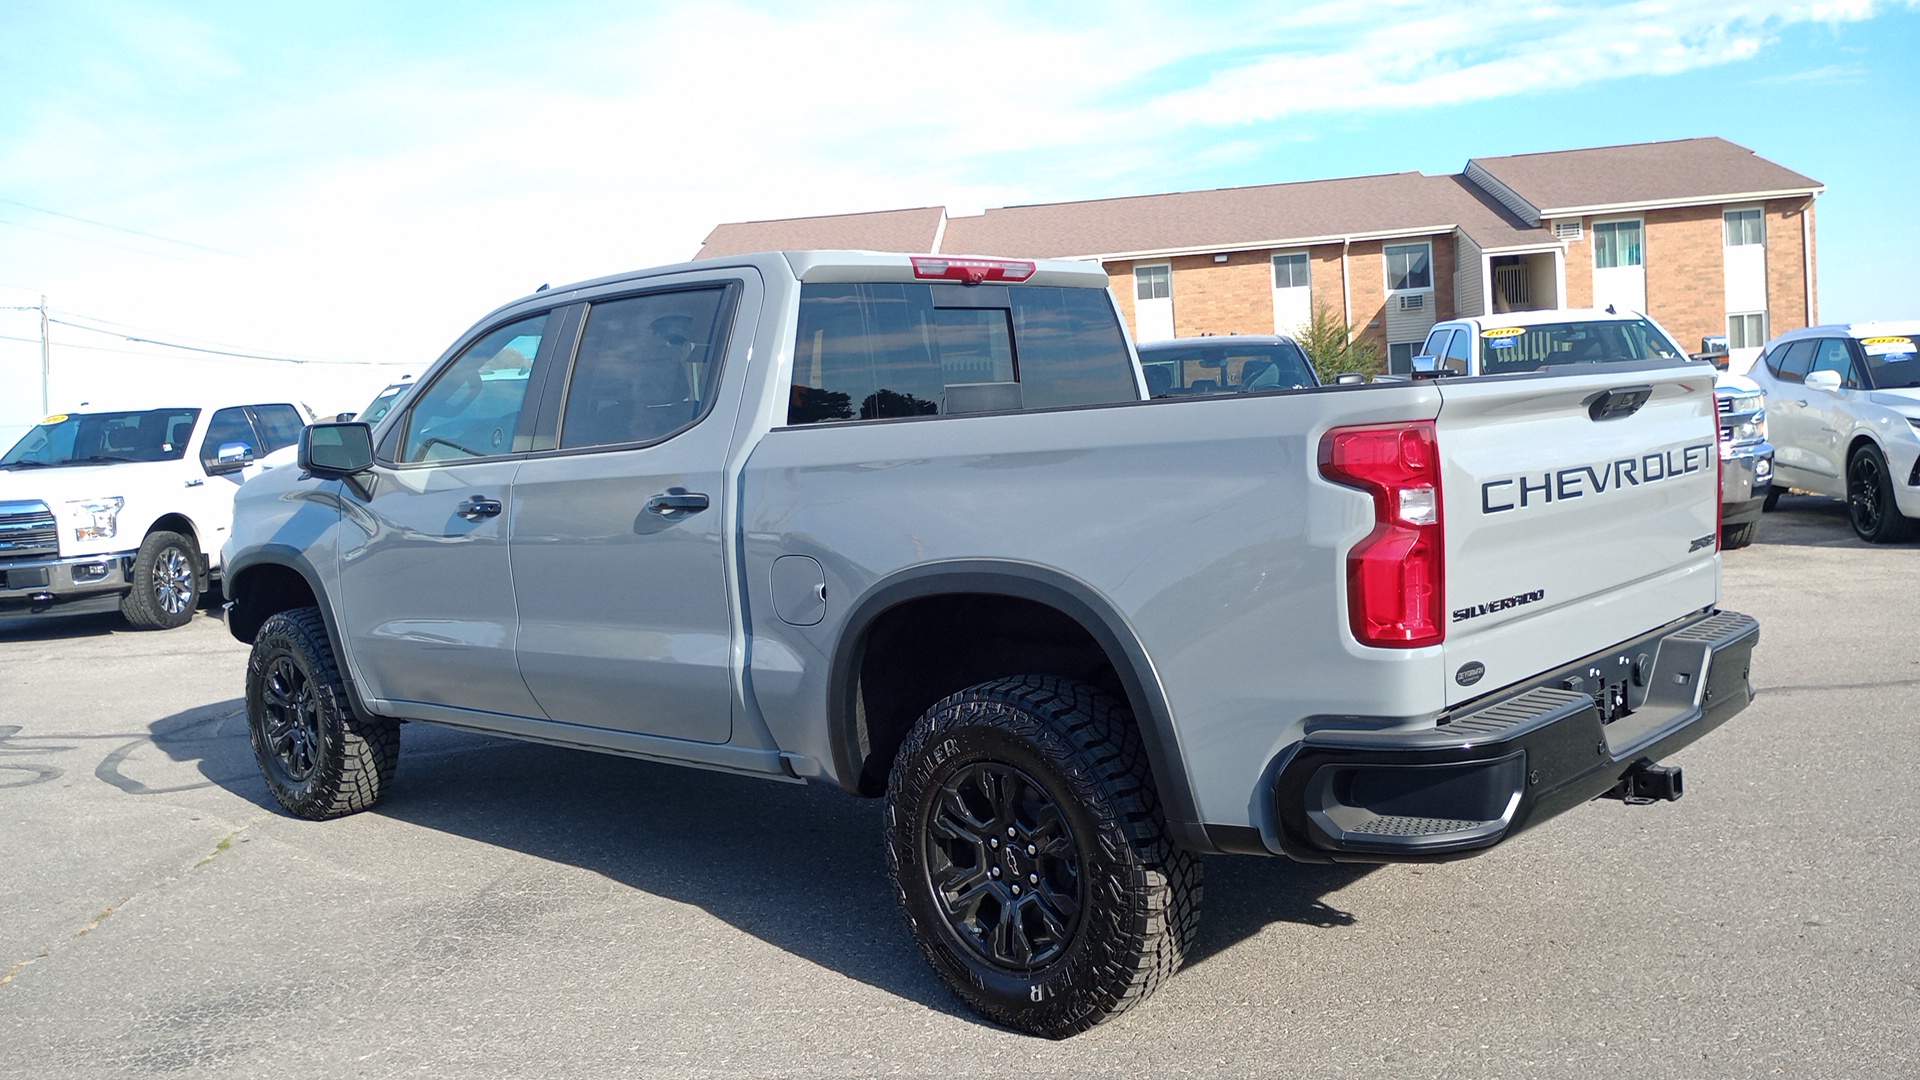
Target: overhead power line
column 91, row 240
column 115, row 228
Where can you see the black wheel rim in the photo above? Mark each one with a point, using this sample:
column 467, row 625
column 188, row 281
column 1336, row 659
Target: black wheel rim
column 1004, row 866
column 1863, row 492
column 292, row 719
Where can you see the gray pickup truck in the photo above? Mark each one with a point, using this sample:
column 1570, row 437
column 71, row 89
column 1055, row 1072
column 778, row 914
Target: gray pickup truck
column 913, row 526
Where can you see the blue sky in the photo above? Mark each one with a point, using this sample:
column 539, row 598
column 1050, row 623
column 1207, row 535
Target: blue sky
column 353, row 184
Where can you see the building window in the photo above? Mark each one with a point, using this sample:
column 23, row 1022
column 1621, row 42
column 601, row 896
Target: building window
column 1616, row 243
column 1745, row 227
column 1747, row 331
column 1153, row 282
column 1409, row 266
column 1400, row 357
column 1290, row 271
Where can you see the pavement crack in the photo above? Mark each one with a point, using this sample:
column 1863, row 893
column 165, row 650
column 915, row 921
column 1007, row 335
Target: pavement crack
column 225, row 843
column 1797, row 688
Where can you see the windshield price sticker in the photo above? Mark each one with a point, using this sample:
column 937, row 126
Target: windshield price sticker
column 1895, row 347
column 58, row 417
column 1503, row 332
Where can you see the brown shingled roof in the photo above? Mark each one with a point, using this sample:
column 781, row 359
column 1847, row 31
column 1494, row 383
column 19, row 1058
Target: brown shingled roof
column 883, row 230
column 1269, row 215
column 1680, row 171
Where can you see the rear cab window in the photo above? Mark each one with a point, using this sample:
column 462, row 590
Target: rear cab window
column 883, row 351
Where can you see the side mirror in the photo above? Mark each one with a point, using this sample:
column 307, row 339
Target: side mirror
column 231, row 457
column 1823, row 380
column 344, row 417
column 1350, row 378
column 336, row 450
column 1427, row 366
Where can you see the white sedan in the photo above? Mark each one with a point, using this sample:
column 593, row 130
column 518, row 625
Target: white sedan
column 1843, row 411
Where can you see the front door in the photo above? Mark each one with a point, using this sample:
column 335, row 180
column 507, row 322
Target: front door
column 619, row 559
column 428, row 593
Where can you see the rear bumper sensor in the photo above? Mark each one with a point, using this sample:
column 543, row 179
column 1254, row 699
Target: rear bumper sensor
column 1596, row 727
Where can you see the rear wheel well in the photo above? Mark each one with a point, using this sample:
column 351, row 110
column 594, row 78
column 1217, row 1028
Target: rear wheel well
column 921, row 651
column 262, row 592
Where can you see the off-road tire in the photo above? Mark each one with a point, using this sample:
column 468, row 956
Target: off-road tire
column 1107, row 908
column 166, row 583
column 1875, row 517
column 320, row 759
column 1738, row 536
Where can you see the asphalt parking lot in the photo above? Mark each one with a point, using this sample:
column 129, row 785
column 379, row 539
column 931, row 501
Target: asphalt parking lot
column 522, row 911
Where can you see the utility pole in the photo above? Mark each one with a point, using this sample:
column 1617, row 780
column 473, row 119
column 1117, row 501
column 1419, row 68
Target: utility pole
column 46, row 358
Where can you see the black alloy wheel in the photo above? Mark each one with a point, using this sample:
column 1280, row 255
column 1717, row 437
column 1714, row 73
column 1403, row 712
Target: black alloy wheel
column 321, row 759
column 291, row 721
column 1030, row 856
column 1870, row 505
column 1004, row 867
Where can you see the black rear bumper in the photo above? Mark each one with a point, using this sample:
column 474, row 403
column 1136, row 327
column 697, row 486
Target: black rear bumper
column 1503, row 764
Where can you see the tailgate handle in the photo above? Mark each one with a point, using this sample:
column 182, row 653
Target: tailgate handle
column 1618, row 402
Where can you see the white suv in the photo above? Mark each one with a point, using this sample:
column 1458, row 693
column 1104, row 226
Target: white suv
column 1846, row 419
column 127, row 507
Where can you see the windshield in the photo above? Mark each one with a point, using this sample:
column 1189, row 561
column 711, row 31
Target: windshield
column 104, row 438
column 1214, row 368
column 1507, row 349
column 378, row 407
column 1893, row 361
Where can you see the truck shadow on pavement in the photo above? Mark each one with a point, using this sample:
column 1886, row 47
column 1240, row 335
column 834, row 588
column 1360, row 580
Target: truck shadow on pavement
column 800, row 867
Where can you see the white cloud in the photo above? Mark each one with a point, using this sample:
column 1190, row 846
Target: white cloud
column 384, row 193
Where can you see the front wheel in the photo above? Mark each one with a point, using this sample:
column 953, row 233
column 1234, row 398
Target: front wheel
column 1870, row 505
column 320, row 759
column 1030, row 857
column 166, row 583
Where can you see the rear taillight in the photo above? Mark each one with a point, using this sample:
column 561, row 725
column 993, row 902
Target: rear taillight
column 972, row 271
column 1396, row 594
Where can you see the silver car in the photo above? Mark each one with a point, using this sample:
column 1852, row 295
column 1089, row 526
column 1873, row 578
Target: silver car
column 1844, row 404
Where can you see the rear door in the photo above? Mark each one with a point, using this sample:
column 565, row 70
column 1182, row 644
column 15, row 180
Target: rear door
column 620, row 560
column 1575, row 518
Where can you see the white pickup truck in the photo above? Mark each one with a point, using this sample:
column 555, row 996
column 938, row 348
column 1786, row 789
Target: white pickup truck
column 127, row 506
column 912, row 526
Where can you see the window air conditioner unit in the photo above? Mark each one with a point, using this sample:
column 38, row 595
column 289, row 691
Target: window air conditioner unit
column 1567, row 231
column 1416, row 302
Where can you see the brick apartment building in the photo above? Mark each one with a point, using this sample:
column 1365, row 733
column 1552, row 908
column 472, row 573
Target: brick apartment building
column 1706, row 236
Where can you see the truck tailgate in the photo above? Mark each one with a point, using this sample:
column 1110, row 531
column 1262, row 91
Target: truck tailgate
column 1574, row 519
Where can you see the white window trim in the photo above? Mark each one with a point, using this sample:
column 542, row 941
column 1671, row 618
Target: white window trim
column 1167, row 266
column 1275, row 258
column 1725, row 210
column 1594, row 235
column 1386, row 271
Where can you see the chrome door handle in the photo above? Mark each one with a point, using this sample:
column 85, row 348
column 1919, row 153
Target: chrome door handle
column 476, row 508
column 676, row 501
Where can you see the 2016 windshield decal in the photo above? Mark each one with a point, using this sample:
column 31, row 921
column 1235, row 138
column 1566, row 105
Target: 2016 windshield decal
column 1536, row 489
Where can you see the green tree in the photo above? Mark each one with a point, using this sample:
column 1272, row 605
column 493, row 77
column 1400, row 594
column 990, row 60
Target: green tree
column 1330, row 344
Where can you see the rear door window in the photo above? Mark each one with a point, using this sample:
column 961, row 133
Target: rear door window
column 1793, row 361
column 280, row 425
column 647, row 367
column 888, row 351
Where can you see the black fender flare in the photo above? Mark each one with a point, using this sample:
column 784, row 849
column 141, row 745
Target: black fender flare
column 288, row 557
column 1072, row 597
